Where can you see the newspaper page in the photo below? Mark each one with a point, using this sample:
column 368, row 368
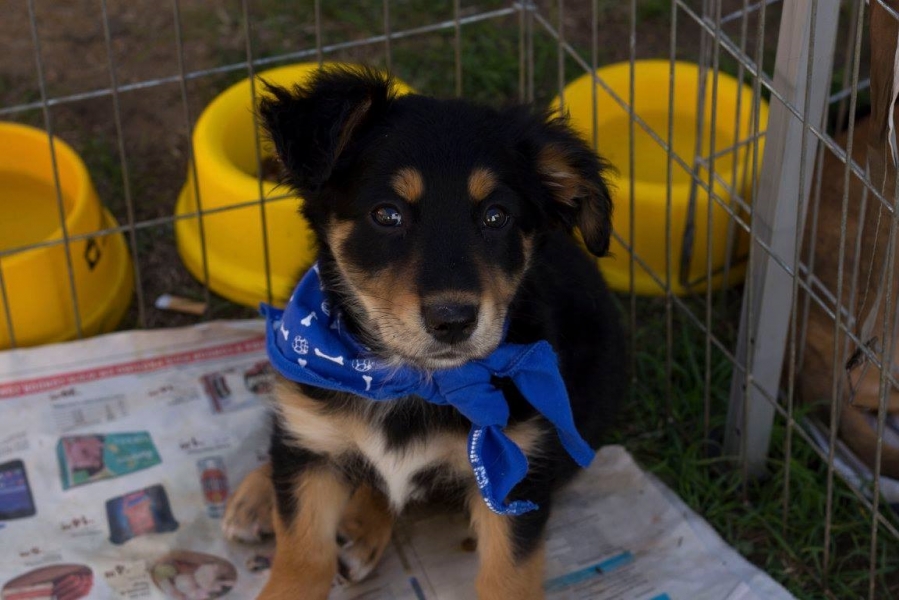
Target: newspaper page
column 117, row 455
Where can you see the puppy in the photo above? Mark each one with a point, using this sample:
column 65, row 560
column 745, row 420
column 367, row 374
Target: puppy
column 444, row 249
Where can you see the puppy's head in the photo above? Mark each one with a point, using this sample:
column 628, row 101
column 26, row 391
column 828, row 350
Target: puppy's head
column 427, row 212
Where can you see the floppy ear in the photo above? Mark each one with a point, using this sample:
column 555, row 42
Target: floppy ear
column 314, row 124
column 572, row 173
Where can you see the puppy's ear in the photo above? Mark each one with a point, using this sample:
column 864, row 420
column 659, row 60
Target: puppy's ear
column 314, row 124
column 572, row 173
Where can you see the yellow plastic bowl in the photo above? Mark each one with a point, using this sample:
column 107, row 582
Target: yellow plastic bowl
column 651, row 85
column 38, row 289
column 226, row 166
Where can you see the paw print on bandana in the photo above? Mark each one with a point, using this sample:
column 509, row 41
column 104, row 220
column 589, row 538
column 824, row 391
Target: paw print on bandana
column 363, row 365
column 300, row 345
column 326, row 307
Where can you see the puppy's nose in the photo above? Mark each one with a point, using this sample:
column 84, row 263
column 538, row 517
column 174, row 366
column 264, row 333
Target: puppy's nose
column 450, row 323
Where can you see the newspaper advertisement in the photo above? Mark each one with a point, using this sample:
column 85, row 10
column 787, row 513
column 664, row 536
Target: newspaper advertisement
column 117, row 455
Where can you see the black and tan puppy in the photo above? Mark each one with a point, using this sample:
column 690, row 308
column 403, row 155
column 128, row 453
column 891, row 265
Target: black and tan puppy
column 444, row 230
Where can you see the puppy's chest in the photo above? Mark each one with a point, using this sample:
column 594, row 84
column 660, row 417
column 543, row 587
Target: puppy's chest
column 408, row 471
column 403, row 442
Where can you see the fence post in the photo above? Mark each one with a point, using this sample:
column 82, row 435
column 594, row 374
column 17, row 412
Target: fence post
column 778, row 224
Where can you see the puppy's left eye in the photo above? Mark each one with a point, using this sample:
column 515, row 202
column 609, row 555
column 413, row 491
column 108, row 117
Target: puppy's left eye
column 387, row 216
column 496, row 218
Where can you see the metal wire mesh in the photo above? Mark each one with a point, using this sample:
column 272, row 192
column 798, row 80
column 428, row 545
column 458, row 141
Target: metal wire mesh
column 721, row 36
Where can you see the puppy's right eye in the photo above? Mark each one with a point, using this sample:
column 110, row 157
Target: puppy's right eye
column 387, row 215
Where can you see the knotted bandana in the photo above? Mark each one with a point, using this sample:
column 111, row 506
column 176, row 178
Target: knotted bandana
column 308, row 343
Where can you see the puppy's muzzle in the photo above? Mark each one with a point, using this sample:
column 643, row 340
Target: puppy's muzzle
column 450, row 322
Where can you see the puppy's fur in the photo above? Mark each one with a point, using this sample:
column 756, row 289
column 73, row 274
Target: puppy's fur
column 437, row 220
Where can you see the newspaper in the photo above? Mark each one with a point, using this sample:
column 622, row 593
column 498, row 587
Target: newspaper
column 117, row 455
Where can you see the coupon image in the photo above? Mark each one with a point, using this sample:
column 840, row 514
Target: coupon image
column 214, row 481
column 54, row 582
column 237, row 388
column 88, row 458
column 138, row 513
column 259, row 378
column 185, row 575
column 16, row 500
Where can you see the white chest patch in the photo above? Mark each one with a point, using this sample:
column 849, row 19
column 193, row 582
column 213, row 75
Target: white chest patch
column 397, row 467
column 325, row 435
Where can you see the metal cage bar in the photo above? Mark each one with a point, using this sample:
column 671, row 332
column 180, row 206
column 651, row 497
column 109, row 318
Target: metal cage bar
column 54, row 166
column 257, row 141
column 776, row 222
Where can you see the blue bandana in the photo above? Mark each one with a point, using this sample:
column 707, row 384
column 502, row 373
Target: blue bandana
column 308, row 343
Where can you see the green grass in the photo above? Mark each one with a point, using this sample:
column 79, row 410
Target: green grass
column 653, row 10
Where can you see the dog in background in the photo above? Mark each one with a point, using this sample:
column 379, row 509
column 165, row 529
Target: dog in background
column 444, row 229
column 859, row 390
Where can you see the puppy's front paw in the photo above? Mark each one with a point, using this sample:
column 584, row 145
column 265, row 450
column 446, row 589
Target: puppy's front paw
column 363, row 534
column 357, row 557
column 248, row 516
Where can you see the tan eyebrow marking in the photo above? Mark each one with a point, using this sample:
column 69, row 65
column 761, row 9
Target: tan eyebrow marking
column 481, row 182
column 409, row 184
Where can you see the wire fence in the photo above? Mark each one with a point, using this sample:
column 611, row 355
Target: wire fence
column 785, row 220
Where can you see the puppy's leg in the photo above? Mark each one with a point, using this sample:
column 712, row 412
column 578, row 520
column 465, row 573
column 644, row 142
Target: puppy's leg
column 363, row 533
column 511, row 552
column 305, row 536
column 248, row 515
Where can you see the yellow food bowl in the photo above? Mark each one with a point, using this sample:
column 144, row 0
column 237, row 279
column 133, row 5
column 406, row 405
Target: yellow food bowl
column 226, row 163
column 734, row 146
column 37, row 283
